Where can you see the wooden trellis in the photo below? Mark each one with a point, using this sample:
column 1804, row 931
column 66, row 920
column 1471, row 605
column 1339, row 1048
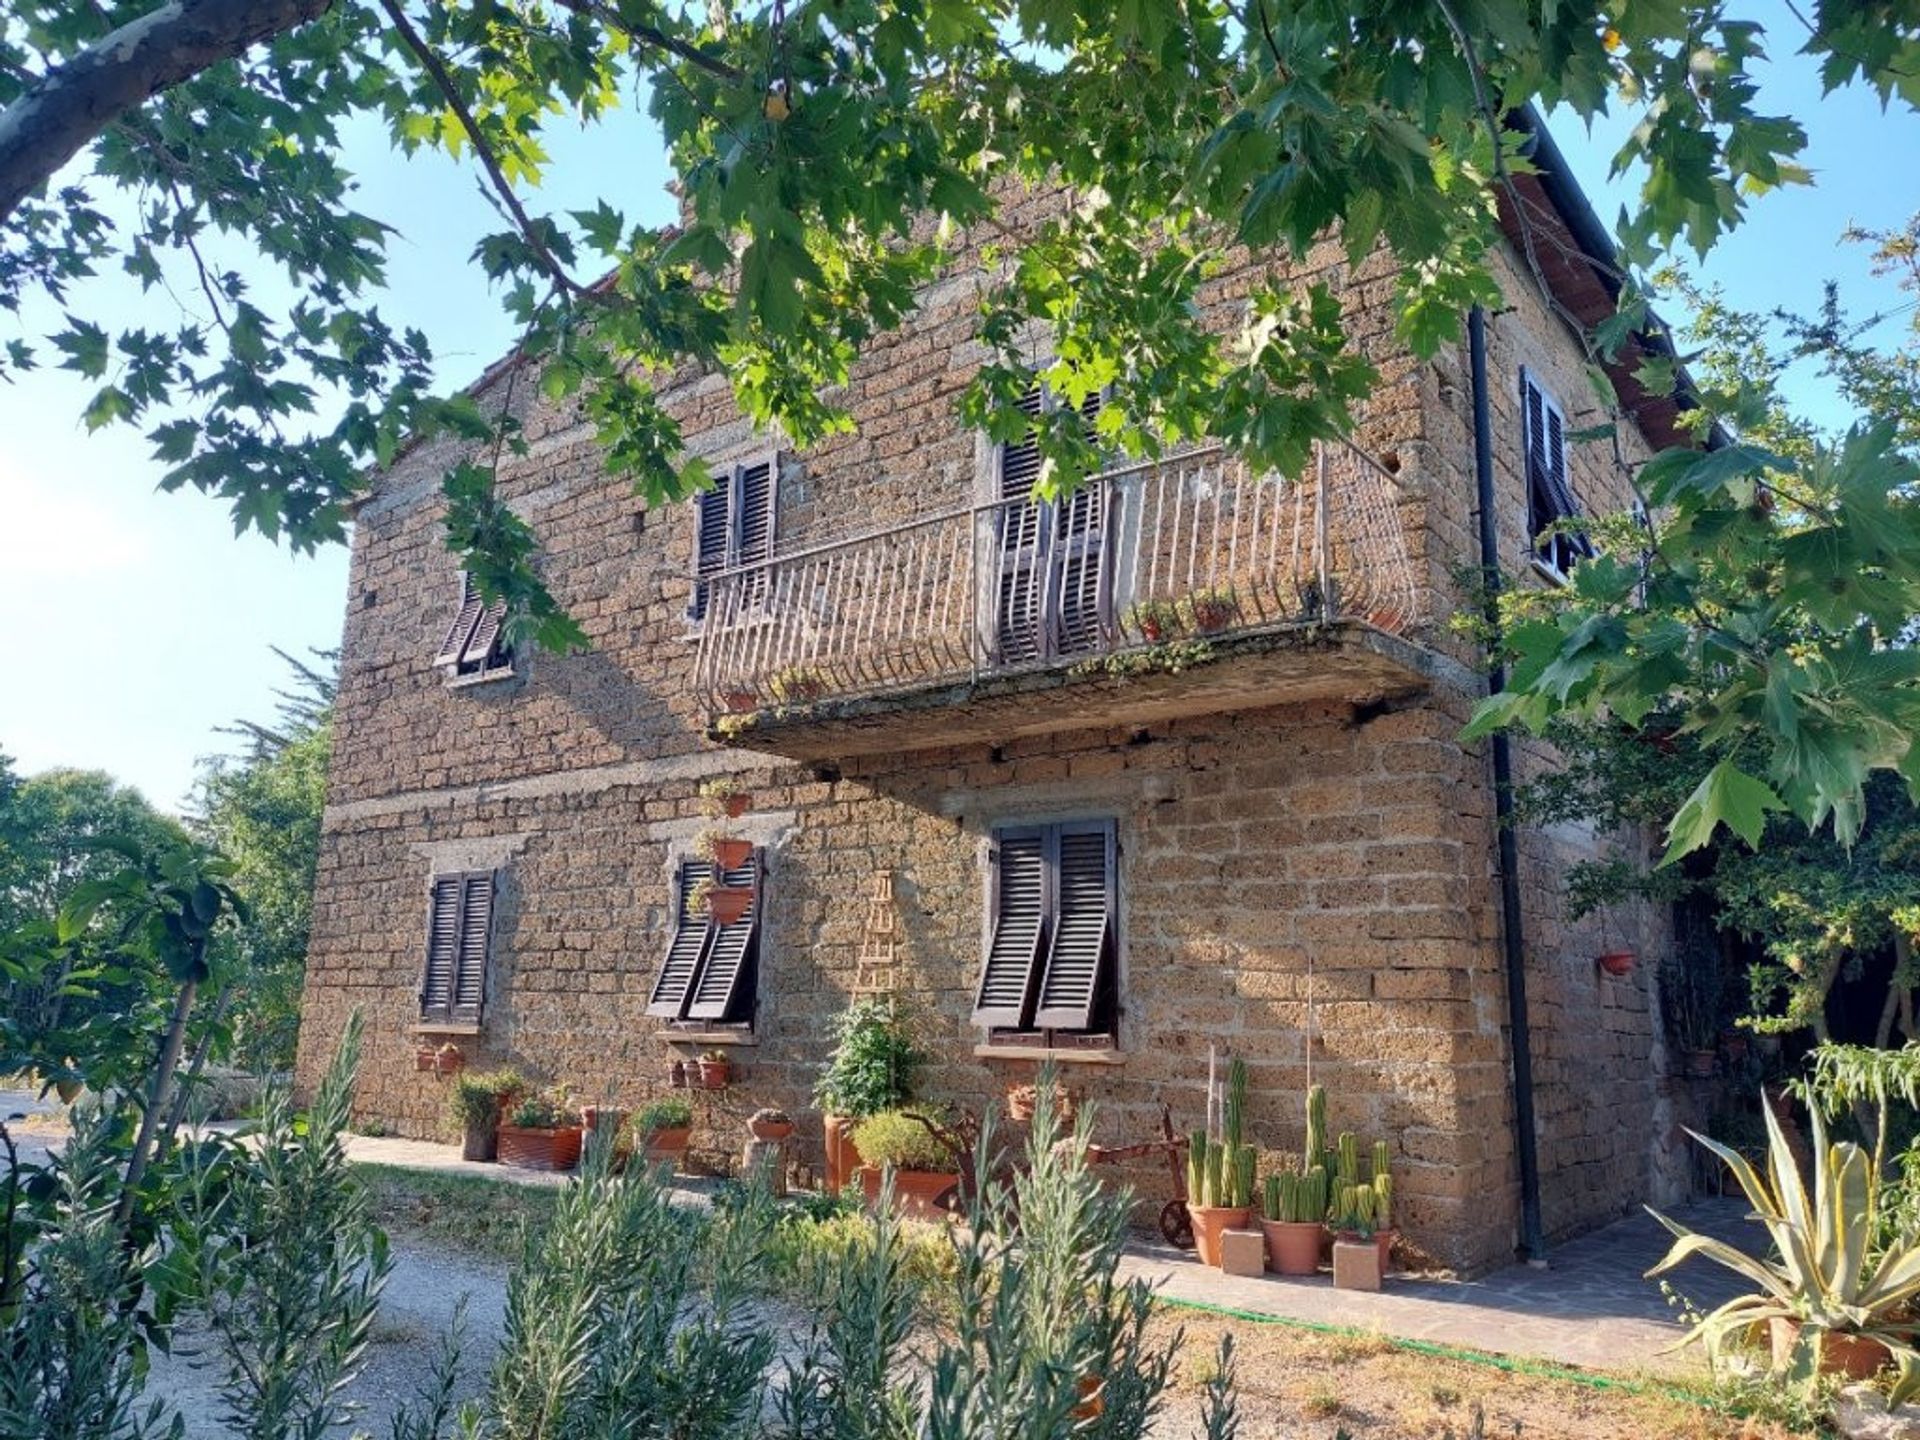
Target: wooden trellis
column 879, row 969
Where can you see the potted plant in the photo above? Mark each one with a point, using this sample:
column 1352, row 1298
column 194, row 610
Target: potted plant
column 739, row 696
column 770, row 1124
column 539, row 1132
column 1152, row 620
column 725, row 851
column 1220, row 1172
column 1023, row 1102
column 661, row 1128
column 716, row 1070
column 798, row 685
column 1690, row 995
column 1383, row 1232
column 1294, row 1217
column 1356, row 1253
column 677, row 1074
column 473, row 1104
column 923, row 1167
column 1209, row 611
column 723, row 795
column 871, row 1069
column 1833, row 1301
column 1617, row 963
column 728, row 903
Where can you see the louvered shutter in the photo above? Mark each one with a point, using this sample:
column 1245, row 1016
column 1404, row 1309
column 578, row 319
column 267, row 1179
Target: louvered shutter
column 482, row 651
column 731, row 953
column 443, row 948
column 458, row 633
column 1019, row 924
column 476, row 928
column 756, row 506
column 1550, row 497
column 1080, row 951
column 685, row 951
column 712, row 540
column 1020, row 615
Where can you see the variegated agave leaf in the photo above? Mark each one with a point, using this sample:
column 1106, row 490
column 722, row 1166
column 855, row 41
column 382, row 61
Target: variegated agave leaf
column 1692, row 1242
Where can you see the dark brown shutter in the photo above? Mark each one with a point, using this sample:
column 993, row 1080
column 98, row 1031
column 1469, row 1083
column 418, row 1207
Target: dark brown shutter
column 712, row 539
column 483, row 650
column 476, row 927
column 756, row 511
column 685, row 951
column 458, row 633
column 1020, row 613
column 1019, row 923
column 1080, row 954
column 443, row 948
column 720, row 989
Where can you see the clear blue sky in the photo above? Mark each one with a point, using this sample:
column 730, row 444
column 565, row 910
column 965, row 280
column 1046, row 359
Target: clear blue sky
column 136, row 622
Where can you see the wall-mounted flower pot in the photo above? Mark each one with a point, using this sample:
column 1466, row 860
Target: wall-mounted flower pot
column 1617, row 963
column 727, row 903
column 715, row 1074
column 541, row 1149
column 1208, row 1222
column 1356, row 1264
column 730, row 855
column 736, row 803
column 1293, row 1246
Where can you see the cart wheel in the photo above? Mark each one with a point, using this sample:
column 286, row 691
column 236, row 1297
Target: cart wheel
column 1176, row 1224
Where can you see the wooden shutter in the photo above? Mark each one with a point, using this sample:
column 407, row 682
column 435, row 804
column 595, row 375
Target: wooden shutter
column 476, row 928
column 1005, row 995
column 685, row 951
column 756, row 510
column 712, row 540
column 458, row 633
column 482, row 651
column 1080, row 954
column 443, row 948
column 731, row 954
column 1020, row 614
column 1550, row 497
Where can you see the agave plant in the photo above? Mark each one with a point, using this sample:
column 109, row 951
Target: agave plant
column 1822, row 1278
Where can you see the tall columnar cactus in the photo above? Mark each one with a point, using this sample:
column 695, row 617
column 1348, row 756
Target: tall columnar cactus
column 1276, row 1195
column 1348, row 1167
column 1216, row 1175
column 1382, row 1158
column 1316, row 1146
column 1383, row 1201
column 1233, row 1115
column 1197, row 1167
column 1240, row 1175
column 1298, row 1199
column 1313, row 1188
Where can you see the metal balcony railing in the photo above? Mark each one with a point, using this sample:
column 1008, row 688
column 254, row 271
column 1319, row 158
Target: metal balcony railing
column 1173, row 551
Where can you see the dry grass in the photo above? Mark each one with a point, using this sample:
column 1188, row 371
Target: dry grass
column 1308, row 1386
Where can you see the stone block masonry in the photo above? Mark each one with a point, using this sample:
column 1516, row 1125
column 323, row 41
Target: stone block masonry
column 1303, row 882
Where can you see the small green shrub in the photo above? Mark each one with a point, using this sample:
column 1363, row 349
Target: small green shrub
column 669, row 1113
column 896, row 1138
column 542, row 1110
column 873, row 1064
column 476, row 1096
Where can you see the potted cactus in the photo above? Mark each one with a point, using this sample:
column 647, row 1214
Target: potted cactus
column 1382, row 1179
column 1294, row 1217
column 1356, row 1255
column 1220, row 1172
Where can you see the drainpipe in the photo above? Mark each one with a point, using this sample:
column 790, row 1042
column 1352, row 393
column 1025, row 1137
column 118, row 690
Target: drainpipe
column 1533, row 1244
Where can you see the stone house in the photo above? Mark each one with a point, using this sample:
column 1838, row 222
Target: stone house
column 1168, row 766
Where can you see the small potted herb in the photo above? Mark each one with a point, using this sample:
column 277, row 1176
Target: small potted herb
column 723, row 795
column 770, row 1124
column 1209, row 611
column 540, row 1132
column 662, row 1128
column 1152, row 620
column 474, row 1102
column 715, row 1070
column 923, row 1166
column 871, row 1069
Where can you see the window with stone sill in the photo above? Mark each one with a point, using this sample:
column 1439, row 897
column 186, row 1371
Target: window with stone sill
column 734, row 525
column 1050, row 975
column 1552, row 507
column 475, row 646
column 453, row 981
column 710, row 974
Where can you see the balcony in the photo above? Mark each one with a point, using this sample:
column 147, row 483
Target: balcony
column 1182, row 586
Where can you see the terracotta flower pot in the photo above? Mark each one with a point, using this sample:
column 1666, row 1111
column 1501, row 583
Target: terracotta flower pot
column 677, row 1074
column 1858, row 1357
column 1383, row 1241
column 727, row 903
column 1734, row 1042
column 1208, row 1222
column 1699, row 1064
column 1093, row 1399
column 914, row 1191
column 736, row 804
column 740, row 702
column 480, row 1140
column 668, row 1143
column 730, row 855
column 1293, row 1246
column 842, row 1158
column 1617, row 963
column 769, row 1129
column 540, row 1149
column 714, row 1074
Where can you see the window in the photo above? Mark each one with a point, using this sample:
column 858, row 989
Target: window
column 734, row 526
column 459, row 923
column 711, row 971
column 476, row 641
column 1550, row 498
column 1050, row 958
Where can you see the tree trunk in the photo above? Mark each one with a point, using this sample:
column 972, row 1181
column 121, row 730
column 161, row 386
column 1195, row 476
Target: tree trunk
column 156, row 1097
column 55, row 119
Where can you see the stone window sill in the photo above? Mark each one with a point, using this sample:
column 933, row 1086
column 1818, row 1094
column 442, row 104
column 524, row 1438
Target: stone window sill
column 714, row 1039
column 1072, row 1055
column 482, row 677
column 445, row 1027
